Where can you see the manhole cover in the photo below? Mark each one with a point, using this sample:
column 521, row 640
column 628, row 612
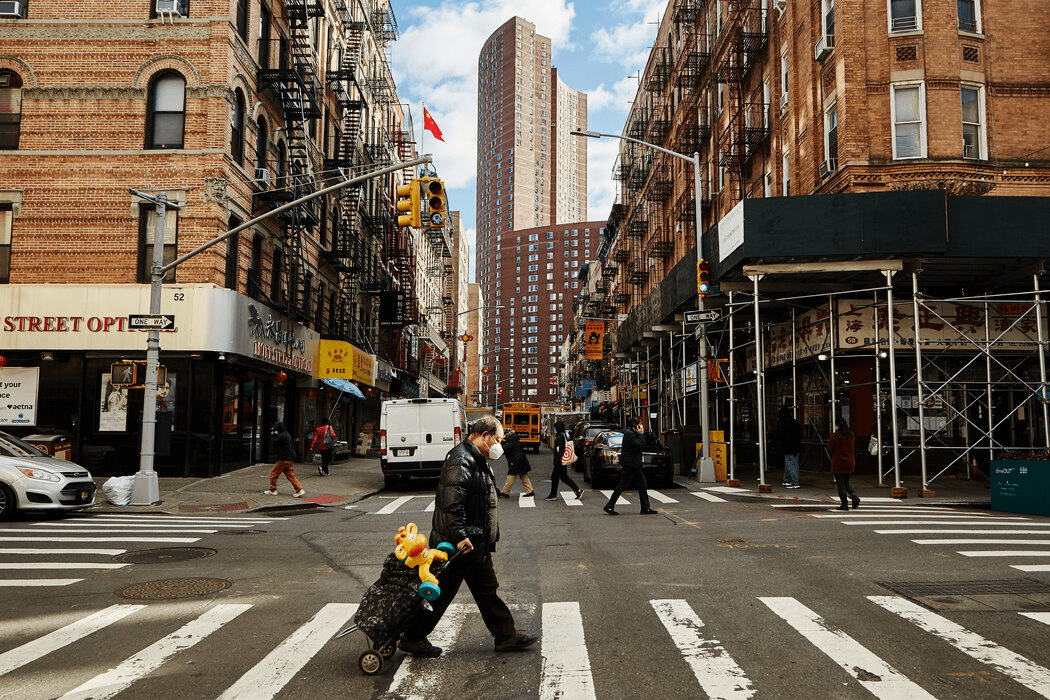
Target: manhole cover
column 174, row 588
column 164, row 555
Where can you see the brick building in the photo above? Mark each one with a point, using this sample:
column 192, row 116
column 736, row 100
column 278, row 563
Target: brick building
column 229, row 113
column 854, row 156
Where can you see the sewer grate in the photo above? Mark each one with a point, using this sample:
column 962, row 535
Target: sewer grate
column 164, row 555
column 915, row 589
column 174, row 588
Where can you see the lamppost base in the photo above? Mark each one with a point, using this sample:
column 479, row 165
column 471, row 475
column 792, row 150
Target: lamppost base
column 705, row 470
column 145, row 490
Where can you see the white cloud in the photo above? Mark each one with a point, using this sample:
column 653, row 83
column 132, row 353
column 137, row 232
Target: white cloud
column 629, row 44
column 619, row 98
column 601, row 188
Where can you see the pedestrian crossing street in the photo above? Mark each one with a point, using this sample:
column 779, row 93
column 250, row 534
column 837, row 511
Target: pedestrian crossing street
column 41, row 549
column 564, row 662
column 1016, row 539
column 424, row 503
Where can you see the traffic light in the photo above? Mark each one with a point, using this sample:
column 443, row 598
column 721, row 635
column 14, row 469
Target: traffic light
column 703, row 278
column 408, row 204
column 437, row 203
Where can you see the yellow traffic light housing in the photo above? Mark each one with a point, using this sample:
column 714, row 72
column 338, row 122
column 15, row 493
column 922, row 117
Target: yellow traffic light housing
column 408, row 213
column 703, row 278
column 437, row 203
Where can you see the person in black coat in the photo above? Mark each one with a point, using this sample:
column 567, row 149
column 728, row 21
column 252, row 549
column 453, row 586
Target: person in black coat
column 518, row 466
column 560, row 473
column 789, row 435
column 631, row 468
column 466, row 516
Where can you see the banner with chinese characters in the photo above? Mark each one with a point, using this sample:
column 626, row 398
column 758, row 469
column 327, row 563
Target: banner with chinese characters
column 943, row 325
column 595, row 331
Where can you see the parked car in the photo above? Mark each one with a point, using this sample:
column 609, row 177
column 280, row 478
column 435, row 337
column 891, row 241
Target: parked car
column 584, row 435
column 603, row 464
column 31, row 480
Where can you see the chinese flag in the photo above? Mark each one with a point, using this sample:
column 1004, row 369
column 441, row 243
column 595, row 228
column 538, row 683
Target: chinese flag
column 430, row 125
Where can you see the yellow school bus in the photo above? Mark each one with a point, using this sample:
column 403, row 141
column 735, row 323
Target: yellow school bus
column 524, row 418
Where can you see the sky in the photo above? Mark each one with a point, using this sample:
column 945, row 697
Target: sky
column 598, row 48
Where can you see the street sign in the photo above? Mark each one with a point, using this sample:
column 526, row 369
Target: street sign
column 701, row 316
column 142, row 322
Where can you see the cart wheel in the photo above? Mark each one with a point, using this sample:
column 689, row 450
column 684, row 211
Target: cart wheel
column 371, row 662
column 429, row 590
column 447, row 548
column 389, row 649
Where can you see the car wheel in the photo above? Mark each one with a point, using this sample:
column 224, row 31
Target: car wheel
column 8, row 503
column 391, row 480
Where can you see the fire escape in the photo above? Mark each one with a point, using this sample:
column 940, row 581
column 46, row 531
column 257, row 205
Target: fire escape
column 740, row 48
column 294, row 83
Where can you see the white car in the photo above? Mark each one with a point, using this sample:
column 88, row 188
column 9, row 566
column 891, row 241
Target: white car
column 31, row 480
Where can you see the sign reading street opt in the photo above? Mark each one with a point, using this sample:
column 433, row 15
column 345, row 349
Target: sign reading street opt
column 145, row 322
column 701, row 316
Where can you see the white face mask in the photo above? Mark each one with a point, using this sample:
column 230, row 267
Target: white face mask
column 496, row 451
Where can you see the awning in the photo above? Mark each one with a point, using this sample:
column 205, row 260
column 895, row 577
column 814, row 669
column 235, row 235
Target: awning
column 344, row 385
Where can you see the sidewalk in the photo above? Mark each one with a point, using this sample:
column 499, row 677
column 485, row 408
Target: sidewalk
column 357, row 478
column 241, row 491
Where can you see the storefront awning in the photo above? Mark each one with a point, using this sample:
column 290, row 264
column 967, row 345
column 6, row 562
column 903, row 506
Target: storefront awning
column 344, row 385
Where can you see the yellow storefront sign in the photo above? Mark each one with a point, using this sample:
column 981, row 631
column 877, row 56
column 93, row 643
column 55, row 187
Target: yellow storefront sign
column 336, row 358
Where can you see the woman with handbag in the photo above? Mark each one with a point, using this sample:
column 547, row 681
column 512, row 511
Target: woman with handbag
column 560, row 464
column 323, row 442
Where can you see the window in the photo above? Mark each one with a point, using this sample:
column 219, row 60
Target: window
column 973, row 122
column 831, row 136
column 166, row 111
column 828, row 20
column 6, row 225
column 237, row 128
column 905, row 15
column 260, row 142
column 254, row 285
column 147, row 237
column 242, row 20
column 786, row 172
column 969, row 15
column 233, row 244
column 10, row 110
column 276, row 272
column 909, row 139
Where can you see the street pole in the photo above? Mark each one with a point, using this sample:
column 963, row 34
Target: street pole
column 706, row 466
column 145, row 489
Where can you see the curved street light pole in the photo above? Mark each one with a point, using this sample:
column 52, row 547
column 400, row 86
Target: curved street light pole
column 706, row 467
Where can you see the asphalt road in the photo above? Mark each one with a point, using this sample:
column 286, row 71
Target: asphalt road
column 707, row 599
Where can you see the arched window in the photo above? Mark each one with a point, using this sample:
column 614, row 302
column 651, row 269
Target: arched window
column 166, row 111
column 260, row 142
column 237, row 130
column 10, row 110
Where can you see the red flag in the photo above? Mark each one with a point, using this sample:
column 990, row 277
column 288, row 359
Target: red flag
column 430, row 125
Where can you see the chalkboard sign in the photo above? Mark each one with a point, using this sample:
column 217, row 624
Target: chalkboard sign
column 1021, row 486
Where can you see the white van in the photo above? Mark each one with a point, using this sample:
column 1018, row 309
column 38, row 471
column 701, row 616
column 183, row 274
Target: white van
column 416, row 434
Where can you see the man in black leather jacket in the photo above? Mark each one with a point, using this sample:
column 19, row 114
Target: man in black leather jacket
column 631, row 468
column 465, row 515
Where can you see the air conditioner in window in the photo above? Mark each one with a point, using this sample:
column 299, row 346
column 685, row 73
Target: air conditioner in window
column 262, row 178
column 12, row 9
column 175, row 7
column 824, row 46
column 783, row 100
column 828, row 166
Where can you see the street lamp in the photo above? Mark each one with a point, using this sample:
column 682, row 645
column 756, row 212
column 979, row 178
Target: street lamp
column 455, row 337
column 707, row 465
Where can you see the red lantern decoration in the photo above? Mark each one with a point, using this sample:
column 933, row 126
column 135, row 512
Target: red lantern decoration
column 3, row 361
column 280, row 377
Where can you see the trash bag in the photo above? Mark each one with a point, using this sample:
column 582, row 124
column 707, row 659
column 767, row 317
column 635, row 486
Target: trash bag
column 117, row 489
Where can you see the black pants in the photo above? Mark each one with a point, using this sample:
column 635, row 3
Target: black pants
column 628, row 476
column 476, row 570
column 842, row 481
column 326, row 459
column 561, row 473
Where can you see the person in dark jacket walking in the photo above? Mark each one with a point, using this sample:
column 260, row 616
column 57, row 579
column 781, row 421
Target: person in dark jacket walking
column 789, row 433
column 560, row 472
column 631, row 468
column 518, row 466
column 466, row 515
column 284, row 453
column 840, row 446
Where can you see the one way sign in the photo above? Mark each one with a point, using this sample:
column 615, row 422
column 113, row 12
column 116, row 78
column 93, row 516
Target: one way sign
column 143, row 322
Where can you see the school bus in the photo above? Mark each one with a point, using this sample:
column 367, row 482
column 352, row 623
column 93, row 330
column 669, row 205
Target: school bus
column 524, row 418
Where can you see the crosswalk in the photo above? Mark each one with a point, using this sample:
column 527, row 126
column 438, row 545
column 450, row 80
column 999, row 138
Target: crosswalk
column 88, row 543
column 425, row 503
column 564, row 667
column 981, row 535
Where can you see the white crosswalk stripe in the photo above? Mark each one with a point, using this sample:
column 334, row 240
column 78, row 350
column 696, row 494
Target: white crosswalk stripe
column 402, row 505
column 565, row 660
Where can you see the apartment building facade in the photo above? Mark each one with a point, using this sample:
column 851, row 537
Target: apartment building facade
column 229, row 115
column 857, row 159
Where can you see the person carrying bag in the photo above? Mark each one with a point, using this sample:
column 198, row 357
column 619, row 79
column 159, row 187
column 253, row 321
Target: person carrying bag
column 324, row 444
column 560, row 473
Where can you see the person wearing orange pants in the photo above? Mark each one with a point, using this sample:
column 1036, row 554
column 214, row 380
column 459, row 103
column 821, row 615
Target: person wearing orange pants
column 284, row 451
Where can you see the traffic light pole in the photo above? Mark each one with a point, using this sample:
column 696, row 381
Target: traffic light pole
column 705, row 466
column 146, row 489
